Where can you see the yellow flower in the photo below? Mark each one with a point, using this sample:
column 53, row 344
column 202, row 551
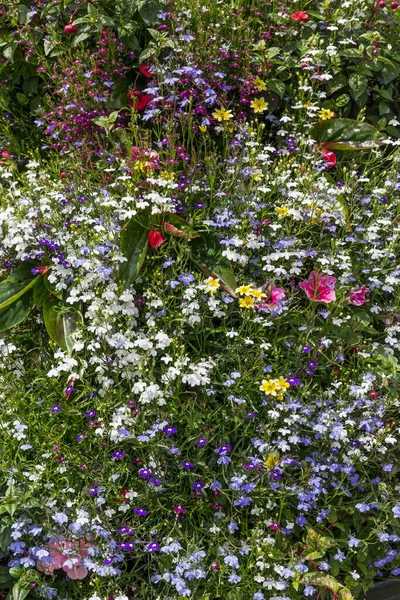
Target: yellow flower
column 167, row 176
column 244, row 289
column 259, row 84
column 325, row 114
column 259, row 105
column 211, row 285
column 221, row 114
column 246, row 302
column 269, row 387
column 272, row 460
column 282, row 211
column 257, row 294
column 282, row 384
column 257, row 175
column 203, row 128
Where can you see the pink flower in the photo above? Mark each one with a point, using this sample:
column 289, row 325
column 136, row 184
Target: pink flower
column 299, row 16
column 319, row 288
column 329, row 158
column 357, row 296
column 273, row 296
column 67, row 556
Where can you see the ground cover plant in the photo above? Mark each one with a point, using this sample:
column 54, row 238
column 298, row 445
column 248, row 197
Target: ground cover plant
column 199, row 299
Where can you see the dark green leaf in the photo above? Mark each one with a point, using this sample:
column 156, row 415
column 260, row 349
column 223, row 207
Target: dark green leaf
column 134, row 246
column 11, row 290
column 5, row 576
column 342, row 100
column 345, row 134
column 358, row 84
column 24, row 271
column 9, row 51
column 149, row 51
column 276, row 86
column 148, row 10
column 80, row 38
column 40, row 292
column 5, row 537
column 61, row 323
column 206, row 253
column 15, row 313
column 19, row 591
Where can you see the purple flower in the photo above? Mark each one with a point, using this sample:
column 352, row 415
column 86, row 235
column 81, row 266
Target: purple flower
column 56, row 409
column 126, row 531
column 201, row 443
column 187, row 465
column 144, row 473
column 153, row 547
column 126, row 546
column 198, row 486
column 223, row 449
column 93, row 491
column 141, row 512
column 118, row 455
column 170, row 430
column 91, row 414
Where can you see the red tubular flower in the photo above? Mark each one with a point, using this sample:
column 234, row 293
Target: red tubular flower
column 144, row 69
column 138, row 100
column 71, row 29
column 155, row 238
column 329, row 158
column 299, row 16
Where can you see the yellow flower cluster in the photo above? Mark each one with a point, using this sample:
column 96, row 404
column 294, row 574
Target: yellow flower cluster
column 282, row 211
column 274, row 387
column 211, row 285
column 250, row 295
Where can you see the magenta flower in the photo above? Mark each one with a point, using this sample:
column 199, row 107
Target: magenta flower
column 319, row 288
column 357, row 296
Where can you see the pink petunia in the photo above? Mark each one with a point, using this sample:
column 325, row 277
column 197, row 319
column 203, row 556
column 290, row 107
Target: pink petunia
column 319, row 288
column 358, row 296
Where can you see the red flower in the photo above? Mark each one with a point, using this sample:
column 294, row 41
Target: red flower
column 5, row 154
column 329, row 158
column 71, row 29
column 155, row 238
column 299, row 16
column 137, row 100
column 144, row 69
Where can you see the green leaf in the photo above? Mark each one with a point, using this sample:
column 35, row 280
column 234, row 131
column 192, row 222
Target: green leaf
column 19, row 591
column 358, row 84
column 15, row 313
column 24, row 271
column 149, row 51
column 11, row 290
column 5, row 576
column 61, row 323
column 206, row 253
column 80, row 38
column 5, row 537
column 178, row 227
column 40, row 292
column 148, row 10
column 336, row 83
column 276, row 86
column 134, row 246
column 342, row 100
column 345, row 134
column 52, row 288
column 9, row 51
column 272, row 52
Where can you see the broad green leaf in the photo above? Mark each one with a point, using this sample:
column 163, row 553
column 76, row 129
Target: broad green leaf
column 149, row 51
column 10, row 291
column 5, row 576
column 178, row 227
column 19, row 591
column 9, row 51
column 15, row 313
column 134, row 246
column 5, row 537
column 206, row 253
column 358, row 84
column 345, row 134
column 24, row 271
column 80, row 38
column 40, row 292
column 148, row 10
column 271, row 52
column 61, row 323
column 276, row 86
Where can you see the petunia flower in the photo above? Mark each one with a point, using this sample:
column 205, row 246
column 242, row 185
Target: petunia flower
column 319, row 288
column 358, row 296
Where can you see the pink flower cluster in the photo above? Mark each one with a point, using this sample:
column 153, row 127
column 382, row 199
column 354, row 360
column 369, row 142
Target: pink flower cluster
column 65, row 555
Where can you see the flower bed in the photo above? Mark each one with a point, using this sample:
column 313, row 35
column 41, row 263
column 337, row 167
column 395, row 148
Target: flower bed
column 199, row 301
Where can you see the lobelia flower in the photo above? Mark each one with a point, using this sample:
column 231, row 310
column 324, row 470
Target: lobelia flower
column 155, row 239
column 358, row 296
column 319, row 288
